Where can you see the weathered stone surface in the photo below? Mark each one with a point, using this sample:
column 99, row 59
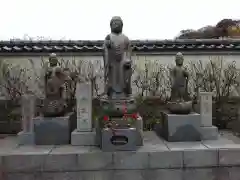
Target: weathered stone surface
column 221, row 143
column 26, row 138
column 26, row 159
column 24, row 163
column 229, row 157
column 130, row 134
column 152, row 143
column 164, row 174
column 130, row 160
column 84, row 106
column 181, row 146
column 96, row 175
column 199, row 174
column 178, row 127
column 221, row 173
column 129, row 175
column 83, row 138
column 206, row 108
column 60, row 162
column 60, row 176
column 166, row 159
column 95, row 160
column 23, row 176
column 28, row 110
column 209, row 133
column 52, row 130
column 200, row 158
column 234, row 173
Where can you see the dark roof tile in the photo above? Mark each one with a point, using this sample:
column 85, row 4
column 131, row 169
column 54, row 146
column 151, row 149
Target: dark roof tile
column 137, row 45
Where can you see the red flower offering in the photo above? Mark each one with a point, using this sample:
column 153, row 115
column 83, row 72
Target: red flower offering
column 105, row 118
column 135, row 116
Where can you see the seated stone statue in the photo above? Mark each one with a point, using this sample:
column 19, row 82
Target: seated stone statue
column 56, row 90
column 179, row 77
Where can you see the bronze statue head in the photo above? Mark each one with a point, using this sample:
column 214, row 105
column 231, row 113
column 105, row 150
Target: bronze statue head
column 179, row 59
column 53, row 61
column 116, row 24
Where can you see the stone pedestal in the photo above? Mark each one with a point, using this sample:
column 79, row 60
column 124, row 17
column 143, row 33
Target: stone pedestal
column 208, row 131
column 181, row 127
column 121, row 138
column 52, row 130
column 79, row 138
column 84, row 135
column 26, row 136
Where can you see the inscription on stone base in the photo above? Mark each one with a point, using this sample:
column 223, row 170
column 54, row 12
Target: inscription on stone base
column 84, row 106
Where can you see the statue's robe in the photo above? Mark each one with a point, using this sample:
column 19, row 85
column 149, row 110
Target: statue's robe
column 117, row 55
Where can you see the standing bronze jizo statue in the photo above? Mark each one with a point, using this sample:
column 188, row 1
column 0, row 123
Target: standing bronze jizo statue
column 179, row 92
column 117, row 61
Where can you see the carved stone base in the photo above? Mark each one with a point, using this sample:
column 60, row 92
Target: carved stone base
column 178, row 127
column 116, row 107
column 120, row 139
column 83, row 138
column 180, row 107
column 52, row 130
column 26, row 138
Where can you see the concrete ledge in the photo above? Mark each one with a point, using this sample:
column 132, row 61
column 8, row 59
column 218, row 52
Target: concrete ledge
column 229, row 157
column 163, row 174
column 201, row 158
column 155, row 154
column 83, row 138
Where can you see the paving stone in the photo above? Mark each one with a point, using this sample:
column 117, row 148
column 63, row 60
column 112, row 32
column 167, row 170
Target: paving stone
column 152, row 143
column 200, row 158
column 199, row 174
column 164, row 174
column 229, row 157
column 24, row 163
column 130, row 160
column 181, row 146
column 63, row 149
column 60, row 162
column 166, row 159
column 221, row 173
column 20, row 176
column 95, row 160
column 64, row 158
column 59, row 176
column 221, row 143
column 234, row 173
column 129, row 175
column 26, row 159
column 96, row 175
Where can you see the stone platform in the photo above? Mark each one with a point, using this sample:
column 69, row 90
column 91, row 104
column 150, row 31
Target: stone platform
column 157, row 159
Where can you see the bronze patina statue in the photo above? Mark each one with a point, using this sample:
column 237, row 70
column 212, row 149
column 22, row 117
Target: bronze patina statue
column 118, row 121
column 56, row 89
column 117, row 61
column 179, row 92
column 118, row 70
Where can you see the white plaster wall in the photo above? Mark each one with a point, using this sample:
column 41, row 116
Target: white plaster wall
column 139, row 60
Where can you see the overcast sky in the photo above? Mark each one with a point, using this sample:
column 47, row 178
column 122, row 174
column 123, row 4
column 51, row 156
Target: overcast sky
column 89, row 19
